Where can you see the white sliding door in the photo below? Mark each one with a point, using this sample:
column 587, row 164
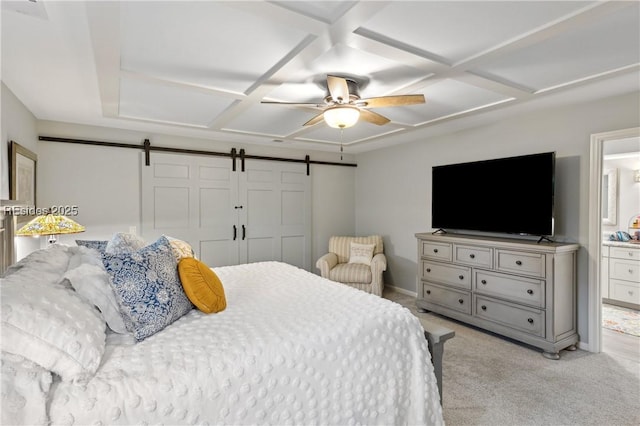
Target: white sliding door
column 276, row 213
column 229, row 217
column 188, row 197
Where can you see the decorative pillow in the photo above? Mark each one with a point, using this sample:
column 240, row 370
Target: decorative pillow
column 99, row 245
column 181, row 249
column 92, row 283
column 147, row 287
column 51, row 326
column 124, row 243
column 202, row 285
column 43, row 265
column 361, row 253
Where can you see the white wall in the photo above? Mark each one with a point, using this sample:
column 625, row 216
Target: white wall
column 19, row 125
column 393, row 185
column 105, row 182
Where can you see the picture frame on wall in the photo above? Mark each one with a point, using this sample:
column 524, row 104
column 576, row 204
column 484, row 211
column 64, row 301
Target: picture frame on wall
column 22, row 174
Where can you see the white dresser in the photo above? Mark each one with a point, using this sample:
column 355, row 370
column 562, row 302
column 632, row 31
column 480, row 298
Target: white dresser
column 517, row 288
column 621, row 284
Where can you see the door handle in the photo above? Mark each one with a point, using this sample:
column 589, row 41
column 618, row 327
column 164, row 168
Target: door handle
column 235, row 232
column 244, row 232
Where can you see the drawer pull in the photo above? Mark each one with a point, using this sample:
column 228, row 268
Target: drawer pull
column 435, row 250
column 630, row 293
column 460, row 301
column 530, row 320
column 428, row 269
column 631, row 253
column 631, row 271
column 428, row 291
column 518, row 262
column 473, row 256
column 484, row 282
column 529, row 291
column 461, row 277
column 484, row 308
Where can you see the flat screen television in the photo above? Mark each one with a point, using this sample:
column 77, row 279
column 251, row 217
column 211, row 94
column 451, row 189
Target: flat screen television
column 511, row 195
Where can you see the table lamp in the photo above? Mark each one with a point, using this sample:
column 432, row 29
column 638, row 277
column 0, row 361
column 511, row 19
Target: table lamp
column 50, row 225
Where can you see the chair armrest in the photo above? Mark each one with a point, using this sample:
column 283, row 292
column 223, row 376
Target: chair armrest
column 379, row 262
column 378, row 266
column 326, row 263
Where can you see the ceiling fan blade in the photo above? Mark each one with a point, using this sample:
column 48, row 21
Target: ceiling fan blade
column 338, row 89
column 373, row 117
column 390, row 101
column 315, row 120
column 305, row 104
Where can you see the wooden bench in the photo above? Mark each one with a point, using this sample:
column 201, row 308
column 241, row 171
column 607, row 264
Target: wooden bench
column 436, row 336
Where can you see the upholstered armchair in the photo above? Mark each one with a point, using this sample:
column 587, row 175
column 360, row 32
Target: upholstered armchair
column 347, row 263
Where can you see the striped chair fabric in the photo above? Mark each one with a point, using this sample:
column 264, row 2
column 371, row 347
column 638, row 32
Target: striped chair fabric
column 334, row 265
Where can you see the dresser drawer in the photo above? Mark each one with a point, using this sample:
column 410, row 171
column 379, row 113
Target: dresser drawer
column 457, row 276
column 624, row 253
column 625, row 291
column 473, row 256
column 517, row 289
column 521, row 262
column 453, row 299
column 628, row 270
column 437, row 251
column 520, row 318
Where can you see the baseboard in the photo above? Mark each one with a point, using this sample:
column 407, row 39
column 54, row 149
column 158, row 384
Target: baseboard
column 402, row 290
column 584, row 346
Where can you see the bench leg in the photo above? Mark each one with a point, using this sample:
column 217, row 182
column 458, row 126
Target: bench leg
column 437, row 351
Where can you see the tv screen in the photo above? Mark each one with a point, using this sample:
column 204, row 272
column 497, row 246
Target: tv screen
column 506, row 195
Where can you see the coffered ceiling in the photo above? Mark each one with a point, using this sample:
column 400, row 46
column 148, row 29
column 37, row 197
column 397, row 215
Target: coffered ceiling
column 202, row 68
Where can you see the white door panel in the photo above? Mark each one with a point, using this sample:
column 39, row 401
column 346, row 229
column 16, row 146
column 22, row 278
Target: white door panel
column 229, row 217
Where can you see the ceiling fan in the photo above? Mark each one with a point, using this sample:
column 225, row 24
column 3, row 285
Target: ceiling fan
column 343, row 106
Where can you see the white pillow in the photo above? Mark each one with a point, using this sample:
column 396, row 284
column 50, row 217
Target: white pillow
column 44, row 265
column 92, row 283
column 361, row 253
column 123, row 243
column 51, row 326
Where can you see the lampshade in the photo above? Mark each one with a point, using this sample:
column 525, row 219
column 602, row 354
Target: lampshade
column 51, row 225
column 341, row 116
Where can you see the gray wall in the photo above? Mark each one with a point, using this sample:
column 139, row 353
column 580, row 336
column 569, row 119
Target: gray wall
column 393, row 185
column 19, row 125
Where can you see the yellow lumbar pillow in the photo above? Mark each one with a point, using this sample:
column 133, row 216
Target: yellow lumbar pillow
column 201, row 285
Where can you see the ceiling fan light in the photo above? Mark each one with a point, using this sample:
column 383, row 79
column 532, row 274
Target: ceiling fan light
column 341, row 116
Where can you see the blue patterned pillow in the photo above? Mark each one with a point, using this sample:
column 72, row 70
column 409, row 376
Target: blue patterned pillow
column 94, row 244
column 148, row 288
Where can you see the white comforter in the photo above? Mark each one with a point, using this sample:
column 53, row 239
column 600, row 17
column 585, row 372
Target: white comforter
column 291, row 348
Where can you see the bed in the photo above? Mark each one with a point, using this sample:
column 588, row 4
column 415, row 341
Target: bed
column 290, row 347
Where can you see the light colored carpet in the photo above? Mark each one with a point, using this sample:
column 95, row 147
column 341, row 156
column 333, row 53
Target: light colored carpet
column 490, row 380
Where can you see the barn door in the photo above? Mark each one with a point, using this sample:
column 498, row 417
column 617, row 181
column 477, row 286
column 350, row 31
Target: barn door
column 276, row 213
column 259, row 214
column 192, row 198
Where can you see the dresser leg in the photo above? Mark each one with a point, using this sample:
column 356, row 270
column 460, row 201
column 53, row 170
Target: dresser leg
column 571, row 348
column 422, row 311
column 551, row 355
